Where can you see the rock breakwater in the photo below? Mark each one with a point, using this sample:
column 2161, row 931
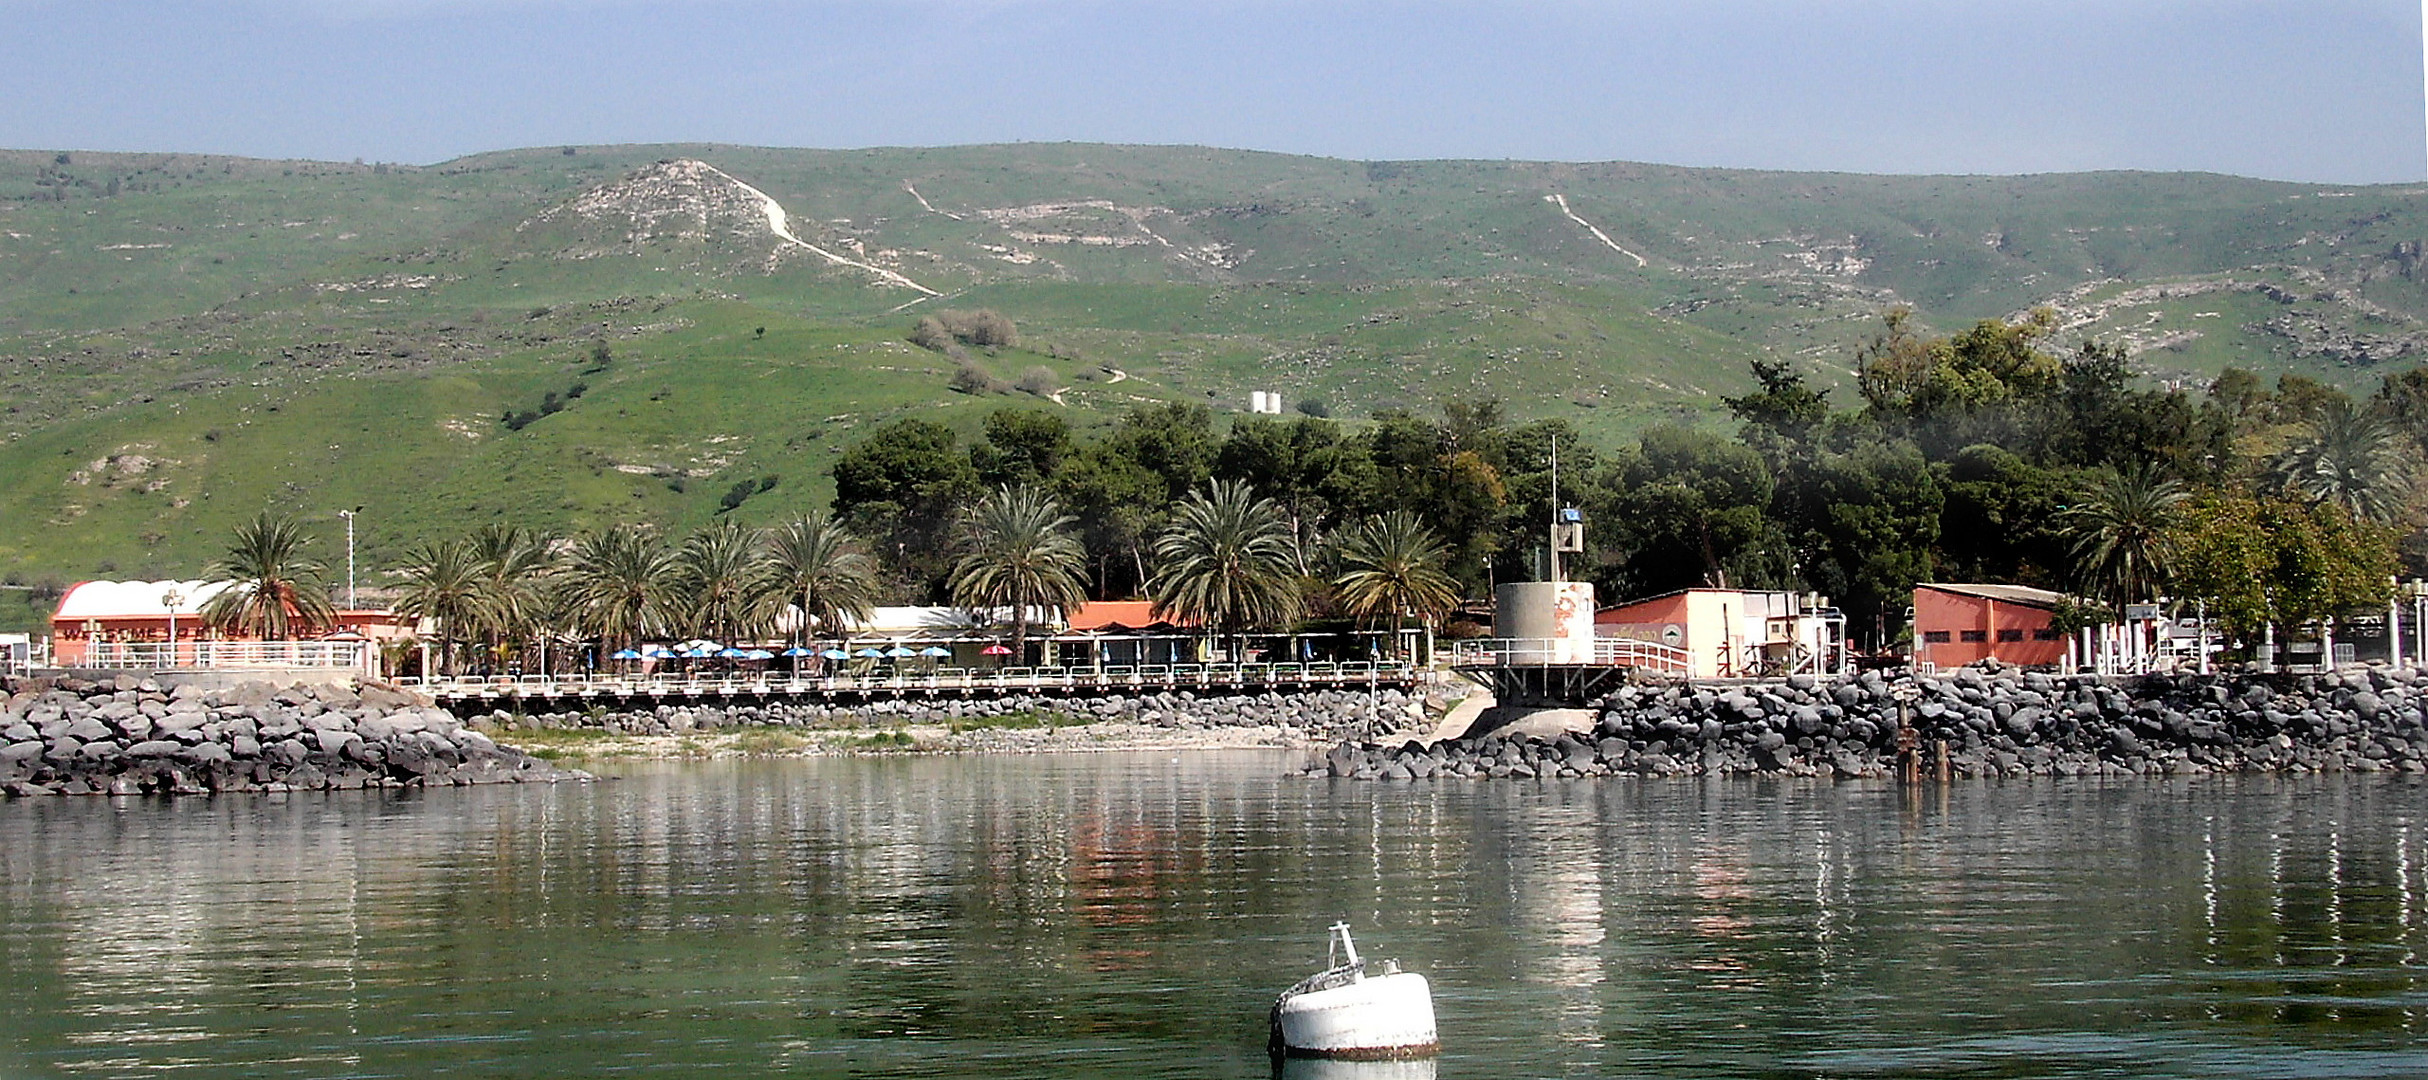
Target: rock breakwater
column 1971, row 723
column 1320, row 715
column 133, row 736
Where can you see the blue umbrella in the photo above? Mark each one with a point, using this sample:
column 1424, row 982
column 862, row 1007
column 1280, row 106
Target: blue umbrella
column 730, row 653
column 657, row 652
column 835, row 654
column 758, row 654
column 870, row 653
column 799, row 651
column 935, row 650
column 624, row 654
column 900, row 651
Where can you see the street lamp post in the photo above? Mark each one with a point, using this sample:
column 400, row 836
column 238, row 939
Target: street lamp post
column 349, row 516
column 170, row 600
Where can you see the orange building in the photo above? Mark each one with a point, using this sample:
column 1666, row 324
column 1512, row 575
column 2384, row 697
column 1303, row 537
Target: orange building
column 1735, row 633
column 1955, row 625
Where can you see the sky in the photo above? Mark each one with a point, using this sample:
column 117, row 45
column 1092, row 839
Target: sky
column 2325, row 91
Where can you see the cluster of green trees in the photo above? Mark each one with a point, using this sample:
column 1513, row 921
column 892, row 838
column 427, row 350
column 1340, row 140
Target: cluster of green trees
column 1984, row 455
column 1227, row 562
column 1469, row 477
column 503, row 590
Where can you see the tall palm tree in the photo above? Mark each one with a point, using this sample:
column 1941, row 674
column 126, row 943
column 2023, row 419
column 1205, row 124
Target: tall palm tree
column 442, row 583
column 1017, row 551
column 1227, row 562
column 2352, row 458
column 276, row 591
column 818, row 564
column 724, row 580
column 2119, row 530
column 620, row 585
column 1393, row 564
column 512, row 564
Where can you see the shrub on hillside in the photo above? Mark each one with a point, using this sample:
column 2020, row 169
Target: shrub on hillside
column 1036, row 380
column 969, row 378
column 983, row 328
column 929, row 333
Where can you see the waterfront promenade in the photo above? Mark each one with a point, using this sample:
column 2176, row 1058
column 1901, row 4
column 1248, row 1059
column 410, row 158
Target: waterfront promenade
column 611, row 688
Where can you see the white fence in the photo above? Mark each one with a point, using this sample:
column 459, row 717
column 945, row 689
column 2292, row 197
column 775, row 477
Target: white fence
column 223, row 655
column 1612, row 652
column 910, row 680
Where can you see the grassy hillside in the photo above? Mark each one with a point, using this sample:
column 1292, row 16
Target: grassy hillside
column 184, row 339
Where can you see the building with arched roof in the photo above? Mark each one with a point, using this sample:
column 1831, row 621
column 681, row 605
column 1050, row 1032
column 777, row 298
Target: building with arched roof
column 159, row 624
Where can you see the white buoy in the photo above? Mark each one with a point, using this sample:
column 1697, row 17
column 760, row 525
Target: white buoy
column 1356, row 1009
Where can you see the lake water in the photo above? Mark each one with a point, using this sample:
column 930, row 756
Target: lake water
column 1132, row 916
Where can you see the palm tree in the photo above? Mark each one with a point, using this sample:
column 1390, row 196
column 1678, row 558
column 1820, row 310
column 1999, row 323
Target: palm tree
column 2119, row 531
column 1017, row 551
column 1226, row 562
column 2354, row 459
column 723, row 574
column 817, row 562
column 275, row 589
column 620, row 585
column 443, row 585
column 512, row 566
column 1393, row 563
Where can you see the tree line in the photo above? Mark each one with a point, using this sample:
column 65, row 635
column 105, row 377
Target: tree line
column 1983, row 455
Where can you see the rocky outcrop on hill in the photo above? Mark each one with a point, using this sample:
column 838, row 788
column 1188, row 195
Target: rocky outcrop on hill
column 132, row 736
column 1980, row 723
column 1323, row 715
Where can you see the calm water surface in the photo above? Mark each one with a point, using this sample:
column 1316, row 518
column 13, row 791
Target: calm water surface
column 1131, row 916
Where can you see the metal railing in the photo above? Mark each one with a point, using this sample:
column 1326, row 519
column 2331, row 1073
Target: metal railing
column 162, row 656
column 912, row 680
column 1613, row 652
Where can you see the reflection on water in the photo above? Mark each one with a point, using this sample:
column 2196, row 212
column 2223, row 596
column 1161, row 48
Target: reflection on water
column 1133, row 916
column 1327, row 1069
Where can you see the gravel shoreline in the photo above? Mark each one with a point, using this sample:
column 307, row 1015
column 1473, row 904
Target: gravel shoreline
column 1174, row 721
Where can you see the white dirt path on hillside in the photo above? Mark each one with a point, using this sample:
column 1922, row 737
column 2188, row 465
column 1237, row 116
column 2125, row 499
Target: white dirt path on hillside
column 1562, row 202
column 923, row 203
column 781, row 224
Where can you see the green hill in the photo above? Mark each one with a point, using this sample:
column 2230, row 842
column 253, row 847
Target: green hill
column 184, row 338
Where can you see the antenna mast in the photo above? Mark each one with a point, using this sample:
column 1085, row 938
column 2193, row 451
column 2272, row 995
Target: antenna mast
column 1555, row 479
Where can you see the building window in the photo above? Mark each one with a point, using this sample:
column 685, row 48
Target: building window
column 1934, row 637
column 2046, row 633
column 2010, row 634
column 1976, row 637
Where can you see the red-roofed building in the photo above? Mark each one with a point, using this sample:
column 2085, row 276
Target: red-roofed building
column 130, row 624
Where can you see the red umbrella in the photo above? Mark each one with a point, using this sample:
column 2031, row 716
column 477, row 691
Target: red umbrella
column 995, row 650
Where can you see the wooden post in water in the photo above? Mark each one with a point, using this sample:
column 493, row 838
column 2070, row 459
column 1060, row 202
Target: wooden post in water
column 1939, row 759
column 1909, row 765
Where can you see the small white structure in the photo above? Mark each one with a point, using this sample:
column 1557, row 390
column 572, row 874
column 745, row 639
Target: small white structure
column 1265, row 402
column 1346, row 1011
column 16, row 653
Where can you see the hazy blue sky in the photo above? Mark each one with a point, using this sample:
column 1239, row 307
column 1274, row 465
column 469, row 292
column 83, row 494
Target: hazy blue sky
column 2321, row 90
